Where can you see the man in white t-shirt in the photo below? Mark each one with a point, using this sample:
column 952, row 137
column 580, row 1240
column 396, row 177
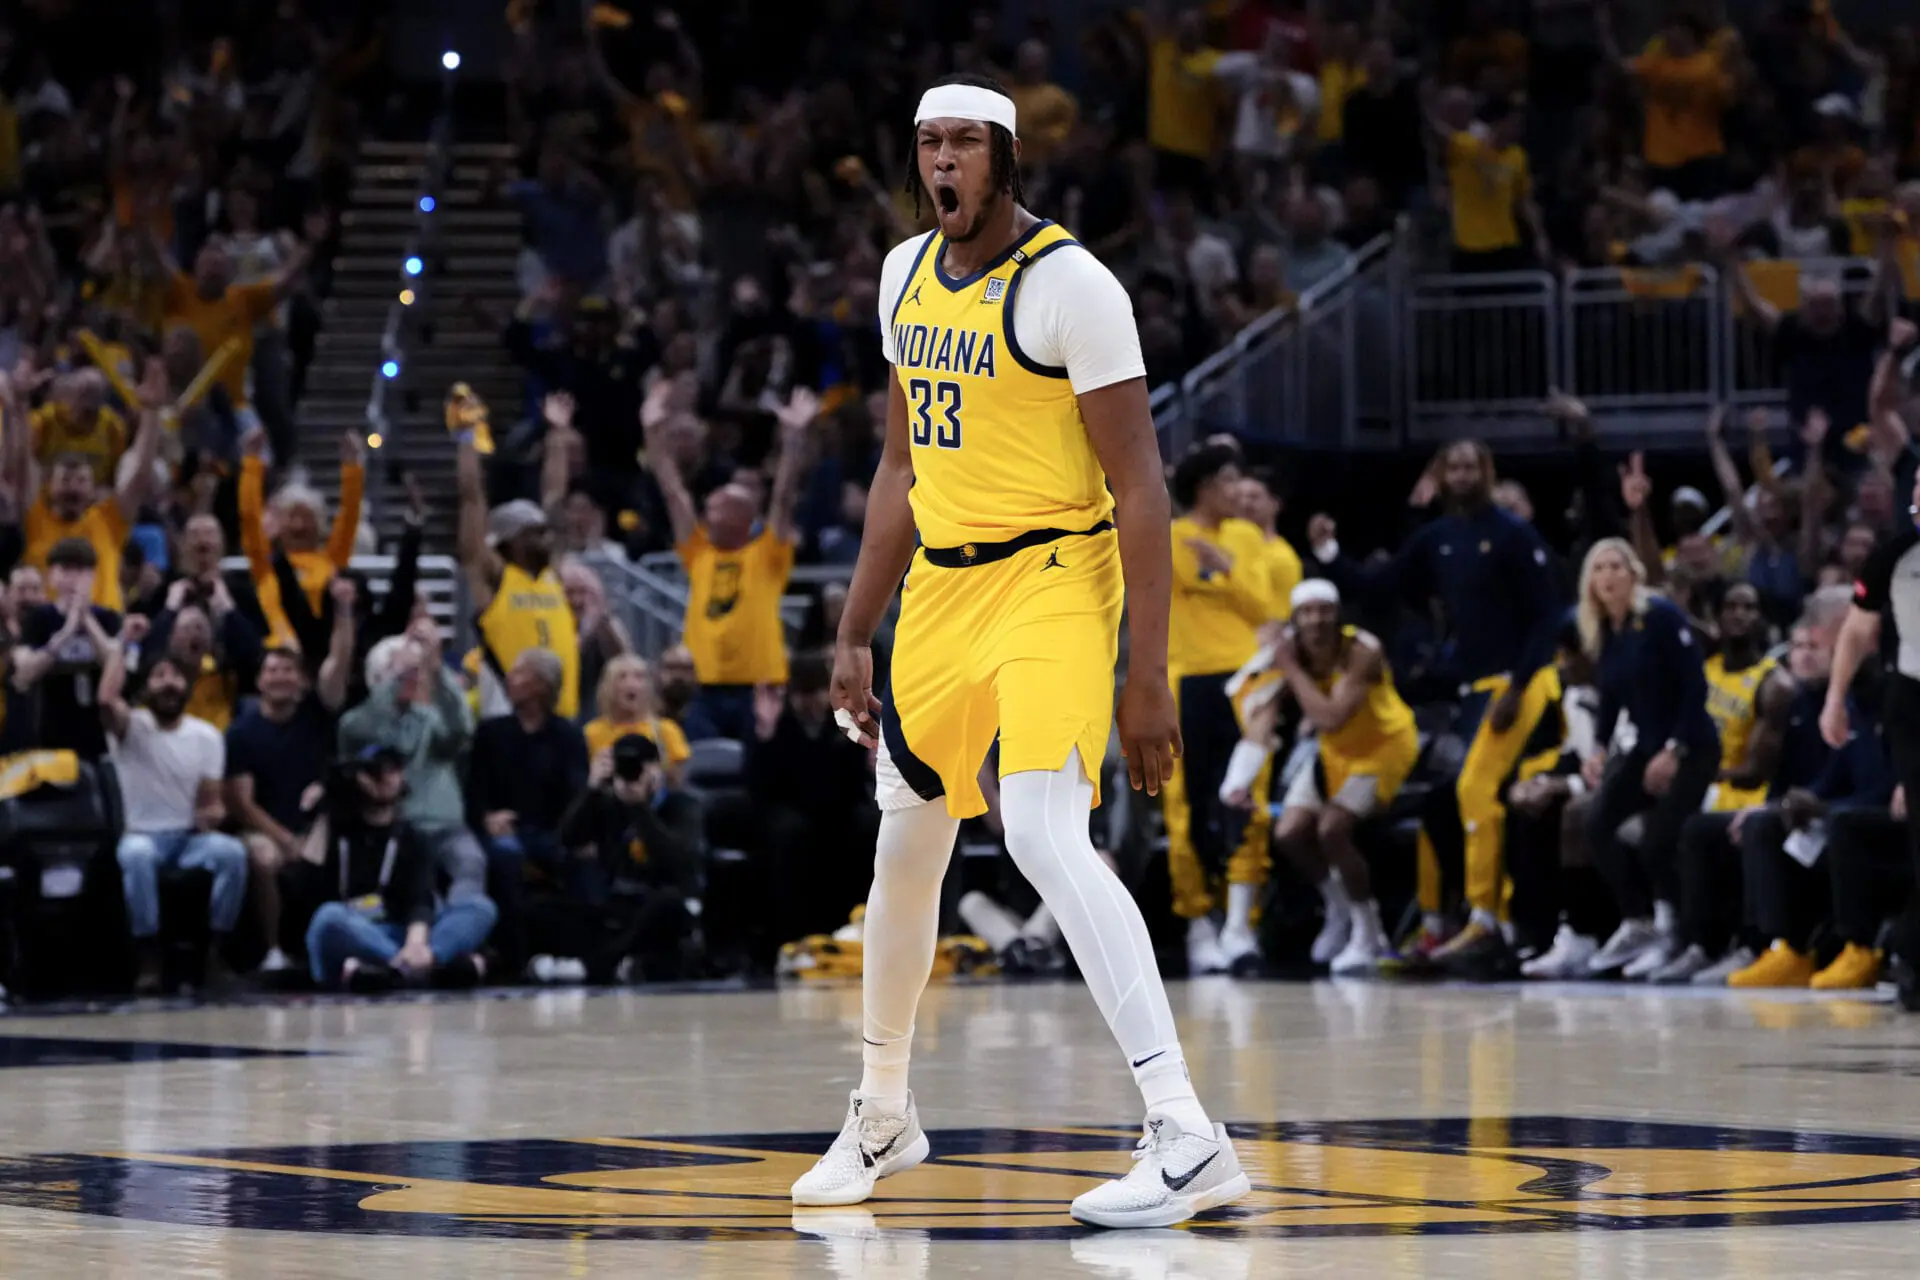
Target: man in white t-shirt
column 170, row 766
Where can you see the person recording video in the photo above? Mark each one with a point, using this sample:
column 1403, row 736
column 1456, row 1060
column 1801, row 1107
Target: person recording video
column 642, row 841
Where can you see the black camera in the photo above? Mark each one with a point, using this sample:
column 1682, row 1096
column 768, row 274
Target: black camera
column 631, row 756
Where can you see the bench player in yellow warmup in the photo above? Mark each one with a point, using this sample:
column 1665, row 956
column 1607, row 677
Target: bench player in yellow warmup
column 1018, row 396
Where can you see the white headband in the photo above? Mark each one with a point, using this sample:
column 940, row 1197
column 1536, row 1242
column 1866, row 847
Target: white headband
column 1316, row 591
column 966, row 102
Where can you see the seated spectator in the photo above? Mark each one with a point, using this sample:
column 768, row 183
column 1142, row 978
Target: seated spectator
column 59, row 658
column 1786, row 893
column 416, row 706
column 1649, row 669
column 1313, row 254
column 737, row 568
column 298, row 516
column 644, row 840
column 625, row 703
column 813, row 792
column 169, row 765
column 71, row 504
column 602, row 638
column 1768, row 717
column 1368, row 745
column 525, row 769
column 381, row 924
column 276, row 750
column 1870, row 871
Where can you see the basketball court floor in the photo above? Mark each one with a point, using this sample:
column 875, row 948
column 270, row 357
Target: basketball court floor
column 1389, row 1130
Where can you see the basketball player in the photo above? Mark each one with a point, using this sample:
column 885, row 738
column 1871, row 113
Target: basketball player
column 1017, row 398
column 519, row 602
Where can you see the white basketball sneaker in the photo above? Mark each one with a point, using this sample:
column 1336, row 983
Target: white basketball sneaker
column 1175, row 1175
column 870, row 1147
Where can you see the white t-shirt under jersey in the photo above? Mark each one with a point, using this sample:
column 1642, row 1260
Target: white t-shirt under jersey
column 1070, row 313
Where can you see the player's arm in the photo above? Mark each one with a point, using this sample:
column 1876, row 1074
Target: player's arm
column 479, row 560
column 886, row 545
column 1330, row 711
column 138, row 483
column 1120, row 428
column 796, row 420
column 654, row 413
column 1769, row 735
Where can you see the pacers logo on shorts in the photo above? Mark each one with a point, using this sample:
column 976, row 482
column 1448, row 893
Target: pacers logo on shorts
column 1385, row 1177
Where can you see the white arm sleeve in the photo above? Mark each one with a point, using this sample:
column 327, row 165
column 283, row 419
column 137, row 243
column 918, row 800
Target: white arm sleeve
column 1071, row 313
column 893, row 278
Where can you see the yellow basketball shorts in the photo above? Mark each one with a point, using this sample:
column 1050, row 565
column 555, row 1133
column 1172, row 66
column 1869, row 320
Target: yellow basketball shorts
column 1022, row 647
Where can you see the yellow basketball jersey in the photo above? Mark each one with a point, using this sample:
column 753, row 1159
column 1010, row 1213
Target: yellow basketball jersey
column 1384, row 718
column 1733, row 702
column 532, row 613
column 999, row 447
column 1216, row 616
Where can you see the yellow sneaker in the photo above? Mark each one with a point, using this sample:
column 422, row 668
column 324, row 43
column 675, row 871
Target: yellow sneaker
column 1778, row 966
column 1854, row 969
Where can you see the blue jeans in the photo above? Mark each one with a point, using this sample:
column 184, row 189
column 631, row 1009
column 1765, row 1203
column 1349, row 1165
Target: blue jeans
column 725, row 710
column 338, row 934
column 145, row 854
column 507, row 859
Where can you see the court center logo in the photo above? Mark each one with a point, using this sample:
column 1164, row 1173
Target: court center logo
column 1349, row 1178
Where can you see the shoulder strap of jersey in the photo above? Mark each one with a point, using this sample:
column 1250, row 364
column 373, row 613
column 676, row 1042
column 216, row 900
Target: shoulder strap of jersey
column 1044, row 241
column 920, row 256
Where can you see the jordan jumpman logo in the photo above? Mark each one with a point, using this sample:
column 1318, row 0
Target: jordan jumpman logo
column 1053, row 561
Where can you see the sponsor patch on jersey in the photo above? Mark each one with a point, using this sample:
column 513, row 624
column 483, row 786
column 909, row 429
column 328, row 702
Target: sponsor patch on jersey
column 996, row 290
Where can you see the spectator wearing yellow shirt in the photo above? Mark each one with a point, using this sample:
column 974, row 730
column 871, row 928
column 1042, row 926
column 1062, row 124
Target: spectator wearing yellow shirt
column 72, row 503
column 1183, row 101
column 1046, row 112
column 76, row 420
column 219, row 311
column 1491, row 188
column 1686, row 86
column 299, row 513
column 1342, row 70
column 624, row 702
column 736, row 567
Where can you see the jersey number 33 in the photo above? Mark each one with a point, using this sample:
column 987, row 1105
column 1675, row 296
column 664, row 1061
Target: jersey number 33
column 927, row 398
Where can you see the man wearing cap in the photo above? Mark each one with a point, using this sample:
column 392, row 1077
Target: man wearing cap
column 381, row 923
column 518, row 600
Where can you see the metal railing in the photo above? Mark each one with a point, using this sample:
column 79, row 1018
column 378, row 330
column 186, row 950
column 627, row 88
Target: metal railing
column 1291, row 376
column 1653, row 348
column 412, row 271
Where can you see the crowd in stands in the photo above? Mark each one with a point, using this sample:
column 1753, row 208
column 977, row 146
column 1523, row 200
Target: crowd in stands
column 1565, row 749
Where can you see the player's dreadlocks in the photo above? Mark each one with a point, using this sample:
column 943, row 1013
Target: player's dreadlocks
column 1006, row 170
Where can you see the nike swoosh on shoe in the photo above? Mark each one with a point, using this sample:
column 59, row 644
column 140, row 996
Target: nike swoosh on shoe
column 1180, row 1183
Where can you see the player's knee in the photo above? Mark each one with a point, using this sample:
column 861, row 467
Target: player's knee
column 1335, row 824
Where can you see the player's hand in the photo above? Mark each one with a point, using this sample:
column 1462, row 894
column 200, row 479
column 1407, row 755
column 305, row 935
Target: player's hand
column 1212, row 559
column 1149, row 732
column 853, row 693
column 1836, row 726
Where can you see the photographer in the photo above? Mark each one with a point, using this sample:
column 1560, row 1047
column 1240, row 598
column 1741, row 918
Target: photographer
column 380, row 925
column 645, row 842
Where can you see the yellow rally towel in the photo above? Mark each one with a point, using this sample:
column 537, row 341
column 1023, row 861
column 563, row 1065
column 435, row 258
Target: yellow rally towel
column 468, row 412
column 26, row 771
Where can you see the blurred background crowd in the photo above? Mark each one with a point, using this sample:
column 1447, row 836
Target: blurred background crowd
column 629, row 770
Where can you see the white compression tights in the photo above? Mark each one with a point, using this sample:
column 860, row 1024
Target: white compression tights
column 1045, row 816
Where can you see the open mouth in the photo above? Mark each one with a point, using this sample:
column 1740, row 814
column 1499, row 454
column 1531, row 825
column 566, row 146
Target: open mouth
column 948, row 199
